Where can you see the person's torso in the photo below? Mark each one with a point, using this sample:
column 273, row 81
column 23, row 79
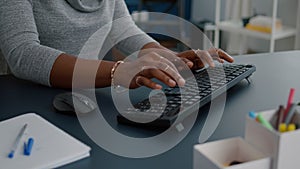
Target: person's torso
column 66, row 27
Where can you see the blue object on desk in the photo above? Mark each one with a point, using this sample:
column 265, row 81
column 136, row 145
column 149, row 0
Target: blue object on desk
column 17, row 142
column 290, row 113
column 252, row 115
column 28, row 147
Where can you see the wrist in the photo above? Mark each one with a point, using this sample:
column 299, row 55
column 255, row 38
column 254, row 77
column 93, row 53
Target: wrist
column 112, row 73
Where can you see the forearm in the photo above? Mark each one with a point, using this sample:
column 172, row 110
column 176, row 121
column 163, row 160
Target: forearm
column 98, row 71
column 89, row 73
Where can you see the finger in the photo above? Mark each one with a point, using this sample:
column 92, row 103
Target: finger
column 188, row 62
column 221, row 60
column 143, row 81
column 220, row 55
column 214, row 53
column 199, row 64
column 192, row 56
column 159, row 58
column 143, row 70
column 225, row 56
column 171, row 72
column 205, row 57
column 200, row 57
column 166, row 61
column 171, row 57
column 163, row 77
column 209, row 59
column 183, row 63
column 187, row 54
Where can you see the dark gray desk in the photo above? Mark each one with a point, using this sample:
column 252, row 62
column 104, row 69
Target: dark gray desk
column 275, row 75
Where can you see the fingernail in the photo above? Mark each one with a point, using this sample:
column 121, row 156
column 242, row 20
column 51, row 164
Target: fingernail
column 213, row 64
column 181, row 82
column 157, row 86
column 172, row 82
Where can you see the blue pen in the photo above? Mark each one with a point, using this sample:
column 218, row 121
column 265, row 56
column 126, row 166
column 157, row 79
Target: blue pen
column 17, row 142
column 28, row 146
column 290, row 113
column 252, row 115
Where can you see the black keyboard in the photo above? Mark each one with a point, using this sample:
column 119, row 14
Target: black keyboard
column 206, row 85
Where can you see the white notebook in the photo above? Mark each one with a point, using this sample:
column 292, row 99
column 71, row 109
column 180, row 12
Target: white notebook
column 52, row 147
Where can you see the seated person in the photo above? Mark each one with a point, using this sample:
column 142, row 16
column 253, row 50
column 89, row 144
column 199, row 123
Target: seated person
column 41, row 41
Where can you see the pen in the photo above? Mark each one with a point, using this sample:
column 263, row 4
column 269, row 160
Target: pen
column 17, row 142
column 290, row 100
column 28, row 147
column 290, row 114
column 280, row 116
column 252, row 115
column 264, row 122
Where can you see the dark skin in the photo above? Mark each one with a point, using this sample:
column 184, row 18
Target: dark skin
column 156, row 59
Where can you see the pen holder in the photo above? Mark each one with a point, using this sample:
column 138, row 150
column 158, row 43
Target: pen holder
column 219, row 154
column 284, row 148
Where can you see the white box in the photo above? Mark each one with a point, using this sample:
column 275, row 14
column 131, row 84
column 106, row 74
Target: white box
column 284, row 148
column 215, row 155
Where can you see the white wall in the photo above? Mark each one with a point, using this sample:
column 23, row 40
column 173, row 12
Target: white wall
column 287, row 11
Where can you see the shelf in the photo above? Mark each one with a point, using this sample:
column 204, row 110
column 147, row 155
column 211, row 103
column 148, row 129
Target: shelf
column 229, row 26
column 237, row 28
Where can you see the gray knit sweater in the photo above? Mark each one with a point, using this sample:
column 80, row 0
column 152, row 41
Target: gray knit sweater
column 33, row 33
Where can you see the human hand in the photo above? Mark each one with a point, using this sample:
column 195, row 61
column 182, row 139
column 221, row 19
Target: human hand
column 133, row 74
column 196, row 59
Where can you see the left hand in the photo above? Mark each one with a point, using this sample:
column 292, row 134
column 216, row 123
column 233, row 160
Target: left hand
column 197, row 59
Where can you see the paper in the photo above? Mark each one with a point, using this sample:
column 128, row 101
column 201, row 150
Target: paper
column 52, row 146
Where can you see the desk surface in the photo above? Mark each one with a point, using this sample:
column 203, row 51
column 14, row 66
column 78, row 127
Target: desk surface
column 276, row 74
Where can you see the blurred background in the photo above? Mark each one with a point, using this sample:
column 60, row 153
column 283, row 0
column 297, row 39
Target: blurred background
column 237, row 26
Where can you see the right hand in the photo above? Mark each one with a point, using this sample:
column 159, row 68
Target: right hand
column 134, row 74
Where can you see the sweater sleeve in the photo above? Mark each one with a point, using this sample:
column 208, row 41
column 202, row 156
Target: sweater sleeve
column 20, row 44
column 125, row 33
